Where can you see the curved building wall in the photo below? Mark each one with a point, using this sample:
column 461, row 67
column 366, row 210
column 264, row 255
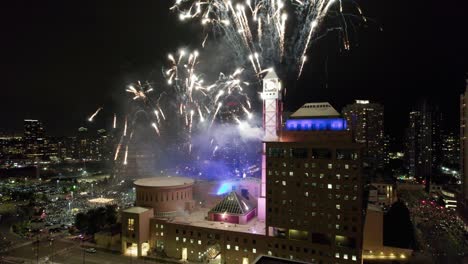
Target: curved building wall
column 166, row 201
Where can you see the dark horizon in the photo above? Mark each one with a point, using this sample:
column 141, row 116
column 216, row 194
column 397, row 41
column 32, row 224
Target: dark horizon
column 62, row 62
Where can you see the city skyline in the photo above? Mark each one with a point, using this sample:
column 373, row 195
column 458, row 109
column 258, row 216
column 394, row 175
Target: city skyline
column 234, row 131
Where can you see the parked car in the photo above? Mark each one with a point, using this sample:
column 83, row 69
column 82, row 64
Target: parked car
column 91, row 250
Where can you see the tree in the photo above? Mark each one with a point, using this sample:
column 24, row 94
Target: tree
column 398, row 229
column 111, row 214
column 81, row 221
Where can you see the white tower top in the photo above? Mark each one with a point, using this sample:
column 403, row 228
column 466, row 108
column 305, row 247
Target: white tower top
column 271, row 75
column 272, row 106
column 271, row 86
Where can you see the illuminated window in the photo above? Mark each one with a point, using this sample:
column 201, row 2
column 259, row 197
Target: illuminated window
column 162, row 226
column 330, row 166
column 291, row 173
column 269, row 253
column 177, row 239
column 337, row 227
column 162, row 233
column 346, row 166
column 237, row 248
column 306, row 194
column 191, row 241
column 228, row 246
column 199, row 242
column 330, row 186
column 184, row 239
column 131, row 224
column 337, row 255
column 354, row 258
column 338, row 176
column 283, row 183
column 254, row 250
column 345, row 256
column 338, row 206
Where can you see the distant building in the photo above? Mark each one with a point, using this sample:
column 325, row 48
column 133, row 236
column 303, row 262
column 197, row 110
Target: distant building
column 450, row 149
column 382, row 192
column 423, row 142
column 366, row 122
column 90, row 146
column 34, row 137
column 464, row 151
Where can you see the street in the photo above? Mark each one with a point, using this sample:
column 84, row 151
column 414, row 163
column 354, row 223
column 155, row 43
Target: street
column 67, row 252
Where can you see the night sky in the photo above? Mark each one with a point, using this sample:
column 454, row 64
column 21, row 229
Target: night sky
column 61, row 60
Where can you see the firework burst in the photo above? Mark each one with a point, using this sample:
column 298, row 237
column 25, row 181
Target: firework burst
column 259, row 31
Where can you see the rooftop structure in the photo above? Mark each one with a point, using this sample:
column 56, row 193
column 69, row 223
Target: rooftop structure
column 168, row 196
column 316, row 117
column 197, row 219
column 168, row 181
column 322, row 109
column 233, row 209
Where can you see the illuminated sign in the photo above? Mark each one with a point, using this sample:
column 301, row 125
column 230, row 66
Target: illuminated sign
column 316, row 124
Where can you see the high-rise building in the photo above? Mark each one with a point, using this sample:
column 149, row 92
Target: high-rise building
column 34, row 136
column 450, row 149
column 366, row 122
column 423, row 142
column 314, row 183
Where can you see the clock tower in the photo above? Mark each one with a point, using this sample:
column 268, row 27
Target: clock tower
column 272, row 106
column 272, row 115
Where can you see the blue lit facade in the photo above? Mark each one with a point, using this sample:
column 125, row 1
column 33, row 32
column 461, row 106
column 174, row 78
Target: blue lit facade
column 316, row 124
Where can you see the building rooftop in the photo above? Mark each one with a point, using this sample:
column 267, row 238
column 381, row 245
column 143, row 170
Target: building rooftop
column 275, row 260
column 322, row 109
column 135, row 210
column 164, row 181
column 198, row 219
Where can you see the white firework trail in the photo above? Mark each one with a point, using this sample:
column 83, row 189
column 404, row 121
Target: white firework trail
column 125, row 127
column 125, row 156
column 91, row 118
